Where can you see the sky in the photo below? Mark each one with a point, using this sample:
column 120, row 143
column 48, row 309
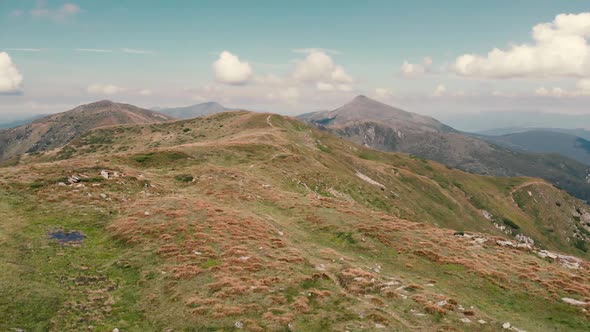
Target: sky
column 290, row 57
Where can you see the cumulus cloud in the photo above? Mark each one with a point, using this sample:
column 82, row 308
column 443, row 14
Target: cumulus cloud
column 383, row 93
column 10, row 78
column 104, row 89
column 229, row 69
column 582, row 89
column 439, row 91
column 315, row 50
column 58, row 14
column 559, row 48
column 319, row 67
column 411, row 70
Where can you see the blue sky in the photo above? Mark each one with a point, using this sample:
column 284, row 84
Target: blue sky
column 290, row 57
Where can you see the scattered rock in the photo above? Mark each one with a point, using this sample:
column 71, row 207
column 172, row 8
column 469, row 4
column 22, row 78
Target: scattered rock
column 481, row 321
column 573, row 301
column 466, row 320
column 506, row 326
column 369, row 180
column 487, row 215
column 103, row 195
column 73, row 179
column 239, row 325
column 569, row 262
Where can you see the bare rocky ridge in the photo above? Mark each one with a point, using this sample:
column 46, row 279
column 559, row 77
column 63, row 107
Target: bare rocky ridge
column 56, row 130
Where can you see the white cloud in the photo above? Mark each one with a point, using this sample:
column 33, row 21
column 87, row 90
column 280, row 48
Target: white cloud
column 439, row 91
column 319, row 67
column 145, row 92
column 16, row 13
column 582, row 89
column 136, row 51
column 323, row 86
column 383, row 93
column 551, row 92
column 315, row 50
column 560, row 48
column 229, row 69
column 411, row 70
column 93, row 50
column 10, row 78
column 268, row 79
column 104, row 89
column 24, row 49
column 289, row 94
column 58, row 14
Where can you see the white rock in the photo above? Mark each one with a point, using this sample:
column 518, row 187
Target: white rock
column 115, row 330
column 379, row 326
column 481, row 321
column 573, row 301
column 466, row 320
column 239, row 325
column 104, row 174
column 103, row 195
column 506, row 326
column 441, row 303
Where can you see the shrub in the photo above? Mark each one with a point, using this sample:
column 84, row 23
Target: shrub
column 184, row 178
column 581, row 244
column 346, row 237
column 510, row 223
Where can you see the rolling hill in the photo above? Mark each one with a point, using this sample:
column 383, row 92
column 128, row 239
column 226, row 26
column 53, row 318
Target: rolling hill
column 56, row 130
column 258, row 222
column 380, row 126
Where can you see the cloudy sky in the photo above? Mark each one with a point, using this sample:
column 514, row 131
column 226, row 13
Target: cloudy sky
column 432, row 57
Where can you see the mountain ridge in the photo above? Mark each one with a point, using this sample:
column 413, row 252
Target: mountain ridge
column 56, row 130
column 400, row 132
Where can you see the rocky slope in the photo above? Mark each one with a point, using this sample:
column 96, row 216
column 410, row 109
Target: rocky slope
column 260, row 222
column 383, row 127
column 57, row 130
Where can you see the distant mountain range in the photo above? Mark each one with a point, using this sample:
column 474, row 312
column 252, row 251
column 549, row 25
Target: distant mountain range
column 482, row 121
column 21, row 121
column 545, row 141
column 193, row 111
column 383, row 127
column 582, row 133
column 56, row 130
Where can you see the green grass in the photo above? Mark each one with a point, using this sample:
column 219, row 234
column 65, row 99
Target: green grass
column 41, row 278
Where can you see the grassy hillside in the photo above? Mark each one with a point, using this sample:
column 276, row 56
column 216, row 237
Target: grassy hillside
column 259, row 222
